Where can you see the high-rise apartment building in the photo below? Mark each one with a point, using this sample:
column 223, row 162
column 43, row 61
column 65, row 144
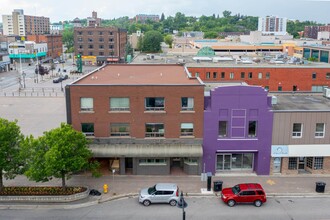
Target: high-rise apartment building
column 272, row 25
column 312, row 31
column 19, row 24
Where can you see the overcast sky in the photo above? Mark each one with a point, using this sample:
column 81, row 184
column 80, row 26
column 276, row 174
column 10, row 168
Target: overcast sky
column 60, row 10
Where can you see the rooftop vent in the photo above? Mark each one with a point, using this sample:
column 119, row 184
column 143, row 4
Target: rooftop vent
column 326, row 92
column 274, row 100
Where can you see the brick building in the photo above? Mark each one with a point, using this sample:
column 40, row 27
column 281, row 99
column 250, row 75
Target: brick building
column 142, row 119
column 54, row 43
column 100, row 44
column 312, row 31
column 308, row 77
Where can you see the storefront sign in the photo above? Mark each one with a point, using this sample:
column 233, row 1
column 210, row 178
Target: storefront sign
column 280, row 151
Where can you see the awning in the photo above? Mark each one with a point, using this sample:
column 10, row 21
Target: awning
column 148, row 150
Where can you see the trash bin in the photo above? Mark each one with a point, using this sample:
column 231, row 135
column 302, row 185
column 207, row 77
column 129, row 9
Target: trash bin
column 217, row 186
column 209, row 181
column 320, row 186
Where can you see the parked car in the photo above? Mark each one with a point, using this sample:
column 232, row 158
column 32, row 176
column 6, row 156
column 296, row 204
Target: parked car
column 160, row 193
column 57, row 80
column 244, row 193
column 62, row 61
column 64, row 77
column 56, row 62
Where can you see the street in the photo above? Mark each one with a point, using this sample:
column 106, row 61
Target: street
column 198, row 208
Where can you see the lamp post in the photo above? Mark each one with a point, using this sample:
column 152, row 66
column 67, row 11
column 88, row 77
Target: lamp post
column 182, row 204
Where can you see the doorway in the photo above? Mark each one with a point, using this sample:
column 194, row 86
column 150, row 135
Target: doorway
column 301, row 163
column 128, row 165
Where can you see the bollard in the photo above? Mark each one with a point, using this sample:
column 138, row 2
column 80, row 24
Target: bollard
column 105, row 188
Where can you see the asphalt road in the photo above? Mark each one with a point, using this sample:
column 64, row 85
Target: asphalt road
column 198, row 208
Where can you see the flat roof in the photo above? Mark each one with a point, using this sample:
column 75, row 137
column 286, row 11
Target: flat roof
column 232, row 64
column 301, row 102
column 139, row 74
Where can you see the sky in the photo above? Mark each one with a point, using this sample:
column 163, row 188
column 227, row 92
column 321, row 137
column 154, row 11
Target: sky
column 61, row 10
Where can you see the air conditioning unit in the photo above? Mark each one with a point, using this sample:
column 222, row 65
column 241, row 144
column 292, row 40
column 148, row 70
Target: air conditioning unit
column 326, row 92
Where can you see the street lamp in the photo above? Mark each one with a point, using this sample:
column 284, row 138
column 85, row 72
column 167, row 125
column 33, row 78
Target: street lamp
column 182, row 204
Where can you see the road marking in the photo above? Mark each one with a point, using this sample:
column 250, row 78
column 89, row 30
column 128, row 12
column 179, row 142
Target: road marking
column 271, row 182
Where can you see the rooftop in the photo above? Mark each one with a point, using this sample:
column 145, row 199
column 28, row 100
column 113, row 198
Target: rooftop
column 301, row 102
column 139, row 74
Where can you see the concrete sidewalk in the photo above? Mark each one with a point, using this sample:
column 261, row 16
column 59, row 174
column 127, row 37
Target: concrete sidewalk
column 127, row 186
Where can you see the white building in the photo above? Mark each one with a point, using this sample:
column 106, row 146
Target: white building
column 14, row 24
column 26, row 51
column 257, row 37
column 272, row 25
column 323, row 35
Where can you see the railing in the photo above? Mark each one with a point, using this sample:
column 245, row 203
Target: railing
column 119, row 109
column 154, row 134
column 119, row 134
column 155, row 108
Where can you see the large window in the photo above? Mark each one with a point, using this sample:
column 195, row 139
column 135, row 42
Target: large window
column 315, row 163
column 187, row 104
column 292, row 163
column 319, row 130
column 154, row 130
column 87, row 129
column 119, row 104
column 119, row 129
column 297, row 130
column 222, row 128
column 152, row 161
column 252, row 129
column 155, row 104
column 187, row 129
column 86, row 104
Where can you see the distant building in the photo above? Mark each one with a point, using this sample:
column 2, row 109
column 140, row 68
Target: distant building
column 26, row 51
column 56, row 28
column 93, row 21
column 323, row 35
column 134, row 38
column 312, row 31
column 54, row 43
column 76, row 23
column 144, row 17
column 100, row 44
column 19, row 24
column 272, row 25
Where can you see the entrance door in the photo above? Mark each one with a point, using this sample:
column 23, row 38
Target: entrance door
column 301, row 163
column 223, row 162
column 277, row 165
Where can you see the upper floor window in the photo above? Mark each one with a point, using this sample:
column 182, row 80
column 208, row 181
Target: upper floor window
column 87, row 129
column 187, row 129
column 101, row 33
column 154, row 130
column 242, row 75
column 119, row 104
column 187, row 104
column 110, row 32
column 215, row 75
column 313, row 75
column 119, row 129
column 197, row 74
column 319, row 130
column 90, row 32
column 208, row 75
column 250, row 75
column 154, row 104
column 231, row 75
column 222, row 132
column 267, row 75
column 86, row 104
column 252, row 129
column 259, row 75
column 101, row 39
column 223, row 74
column 327, row 76
column 297, row 130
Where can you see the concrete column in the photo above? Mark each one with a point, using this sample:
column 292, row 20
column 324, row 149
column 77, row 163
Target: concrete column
column 122, row 168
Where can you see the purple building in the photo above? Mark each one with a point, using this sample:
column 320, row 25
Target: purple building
column 238, row 125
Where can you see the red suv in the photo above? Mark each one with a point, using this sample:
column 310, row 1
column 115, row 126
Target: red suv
column 244, row 193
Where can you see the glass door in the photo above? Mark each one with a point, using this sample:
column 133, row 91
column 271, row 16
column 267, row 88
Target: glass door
column 223, row 162
column 301, row 163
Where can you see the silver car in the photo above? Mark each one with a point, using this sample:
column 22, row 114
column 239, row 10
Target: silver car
column 160, row 193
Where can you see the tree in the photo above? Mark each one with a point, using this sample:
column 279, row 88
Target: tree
column 162, row 17
column 10, row 140
column 210, row 34
column 168, row 40
column 58, row 153
column 68, row 38
column 151, row 41
column 128, row 50
column 226, row 14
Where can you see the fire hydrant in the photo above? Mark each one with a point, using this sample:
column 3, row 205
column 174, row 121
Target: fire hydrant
column 105, row 188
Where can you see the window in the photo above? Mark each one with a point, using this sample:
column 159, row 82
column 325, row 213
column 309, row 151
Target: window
column 154, row 130
column 215, row 75
column 119, row 104
column 152, row 161
column 222, row 129
column 87, row 129
column 86, row 104
column 101, row 46
column 110, row 32
column 223, row 75
column 259, row 75
column 242, row 75
column 313, row 75
column 267, row 75
column 110, row 46
column 90, row 53
column 208, row 75
column 319, row 130
column 90, row 40
column 318, row 163
column 101, row 53
column 80, row 39
column 250, row 75
column 292, row 163
column 80, row 46
column 100, row 33
column 252, row 129
column 119, row 129
column 297, row 130
column 90, row 33
column 110, row 39
column 327, row 76
column 197, row 74
column 267, row 88
column 279, row 88
column 187, row 129
column 101, row 39
column 155, row 104
column 187, row 104
column 90, row 46
column 231, row 75
column 309, row 162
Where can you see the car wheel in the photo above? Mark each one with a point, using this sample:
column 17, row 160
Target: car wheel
column 173, row 202
column 257, row 203
column 231, row 203
column 146, row 202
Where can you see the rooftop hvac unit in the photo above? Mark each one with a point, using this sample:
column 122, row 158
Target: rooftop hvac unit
column 274, row 100
column 326, row 92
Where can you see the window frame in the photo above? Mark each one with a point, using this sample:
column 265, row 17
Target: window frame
column 296, row 133
column 319, row 134
column 120, row 132
column 187, row 105
column 187, row 129
column 156, row 107
column 90, row 131
column 150, row 133
column 87, row 108
column 252, row 133
column 120, row 108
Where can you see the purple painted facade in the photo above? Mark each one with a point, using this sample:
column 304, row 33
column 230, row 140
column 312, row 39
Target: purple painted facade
column 238, row 125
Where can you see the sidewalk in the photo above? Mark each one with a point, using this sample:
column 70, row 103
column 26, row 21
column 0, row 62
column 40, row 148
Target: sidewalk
column 123, row 186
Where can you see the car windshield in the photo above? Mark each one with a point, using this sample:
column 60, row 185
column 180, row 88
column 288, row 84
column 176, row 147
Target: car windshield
column 236, row 189
column 151, row 190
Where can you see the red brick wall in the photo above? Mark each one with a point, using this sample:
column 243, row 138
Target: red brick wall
column 286, row 77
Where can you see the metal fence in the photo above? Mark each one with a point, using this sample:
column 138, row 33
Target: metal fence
column 34, row 92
